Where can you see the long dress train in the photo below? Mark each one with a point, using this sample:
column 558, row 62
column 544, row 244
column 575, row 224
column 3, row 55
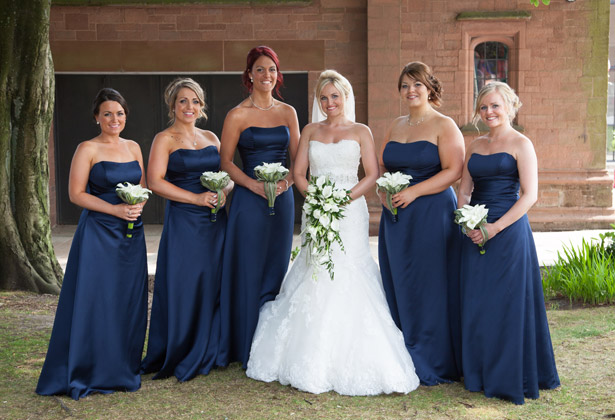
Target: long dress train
column 320, row 334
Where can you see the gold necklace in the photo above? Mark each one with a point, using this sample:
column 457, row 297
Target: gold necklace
column 262, row 109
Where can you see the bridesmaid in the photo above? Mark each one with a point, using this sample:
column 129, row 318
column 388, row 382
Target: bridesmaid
column 257, row 250
column 507, row 351
column 419, row 253
column 184, row 329
column 99, row 328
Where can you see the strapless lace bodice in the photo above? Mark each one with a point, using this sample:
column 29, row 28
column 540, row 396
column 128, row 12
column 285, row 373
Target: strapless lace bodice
column 339, row 161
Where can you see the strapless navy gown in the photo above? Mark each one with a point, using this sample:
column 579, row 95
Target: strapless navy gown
column 257, row 248
column 419, row 257
column 99, row 329
column 184, row 331
column 507, row 351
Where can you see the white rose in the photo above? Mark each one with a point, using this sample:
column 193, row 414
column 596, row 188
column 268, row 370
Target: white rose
column 339, row 194
column 317, row 213
column 327, row 207
column 311, row 189
column 330, row 236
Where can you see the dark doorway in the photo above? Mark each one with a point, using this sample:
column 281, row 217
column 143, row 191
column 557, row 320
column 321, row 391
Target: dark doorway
column 73, row 122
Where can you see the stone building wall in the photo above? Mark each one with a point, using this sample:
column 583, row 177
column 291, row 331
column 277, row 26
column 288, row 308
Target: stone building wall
column 557, row 66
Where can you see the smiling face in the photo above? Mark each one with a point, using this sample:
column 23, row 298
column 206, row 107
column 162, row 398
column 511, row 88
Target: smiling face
column 493, row 110
column 413, row 92
column 187, row 106
column 331, row 100
column 111, row 117
column 264, row 74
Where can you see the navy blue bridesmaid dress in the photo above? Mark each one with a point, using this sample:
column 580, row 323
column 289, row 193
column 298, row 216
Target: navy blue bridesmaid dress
column 184, row 331
column 419, row 256
column 257, row 249
column 507, row 351
column 99, row 329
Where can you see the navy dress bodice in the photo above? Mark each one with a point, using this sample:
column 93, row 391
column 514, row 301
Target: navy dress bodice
column 258, row 245
column 100, row 322
column 507, row 351
column 418, row 258
column 184, row 329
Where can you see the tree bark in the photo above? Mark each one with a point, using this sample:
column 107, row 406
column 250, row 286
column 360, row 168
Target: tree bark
column 27, row 258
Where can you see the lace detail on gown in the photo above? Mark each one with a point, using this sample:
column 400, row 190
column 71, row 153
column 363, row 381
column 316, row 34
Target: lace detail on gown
column 322, row 335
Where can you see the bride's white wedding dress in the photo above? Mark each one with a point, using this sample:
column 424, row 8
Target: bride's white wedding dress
column 322, row 335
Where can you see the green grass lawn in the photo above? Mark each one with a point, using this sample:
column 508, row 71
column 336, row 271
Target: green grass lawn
column 583, row 340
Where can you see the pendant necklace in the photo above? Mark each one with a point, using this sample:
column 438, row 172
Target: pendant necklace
column 414, row 124
column 194, row 137
column 262, row 109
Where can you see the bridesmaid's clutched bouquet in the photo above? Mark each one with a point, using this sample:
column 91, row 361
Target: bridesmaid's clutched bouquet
column 323, row 210
column 472, row 217
column 392, row 183
column 270, row 174
column 215, row 181
column 131, row 194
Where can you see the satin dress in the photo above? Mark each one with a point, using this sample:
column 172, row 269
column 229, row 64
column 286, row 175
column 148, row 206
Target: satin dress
column 507, row 350
column 419, row 257
column 184, row 332
column 257, row 247
column 99, row 329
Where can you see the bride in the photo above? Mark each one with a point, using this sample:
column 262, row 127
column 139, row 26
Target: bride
column 320, row 334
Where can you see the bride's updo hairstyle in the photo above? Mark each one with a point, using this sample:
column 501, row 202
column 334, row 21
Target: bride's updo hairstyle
column 340, row 82
column 506, row 92
column 254, row 54
column 421, row 72
column 172, row 90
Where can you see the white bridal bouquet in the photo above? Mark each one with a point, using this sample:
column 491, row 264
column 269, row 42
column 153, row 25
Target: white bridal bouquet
column 270, row 174
column 392, row 183
column 323, row 210
column 131, row 194
column 472, row 217
column 215, row 181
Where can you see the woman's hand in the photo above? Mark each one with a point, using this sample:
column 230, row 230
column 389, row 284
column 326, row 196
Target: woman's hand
column 383, row 199
column 476, row 235
column 207, row 199
column 282, row 187
column 129, row 212
column 403, row 198
column 258, row 188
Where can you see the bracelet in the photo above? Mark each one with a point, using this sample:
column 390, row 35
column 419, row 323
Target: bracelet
column 286, row 180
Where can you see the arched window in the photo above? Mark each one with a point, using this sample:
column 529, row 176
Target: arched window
column 490, row 63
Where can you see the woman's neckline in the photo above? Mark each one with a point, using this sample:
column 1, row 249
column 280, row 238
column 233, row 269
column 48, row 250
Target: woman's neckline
column 111, row 161
column 192, row 150
column 493, row 154
column 412, row 142
column 335, row 142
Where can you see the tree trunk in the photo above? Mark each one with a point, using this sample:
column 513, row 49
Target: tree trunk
column 27, row 259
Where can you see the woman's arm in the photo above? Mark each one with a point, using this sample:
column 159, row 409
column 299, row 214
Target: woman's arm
column 369, row 161
column 157, row 169
column 451, row 151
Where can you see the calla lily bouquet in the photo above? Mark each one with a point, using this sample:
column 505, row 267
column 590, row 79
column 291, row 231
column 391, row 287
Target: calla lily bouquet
column 323, row 210
column 472, row 217
column 270, row 174
column 215, row 181
column 131, row 194
column 392, row 183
